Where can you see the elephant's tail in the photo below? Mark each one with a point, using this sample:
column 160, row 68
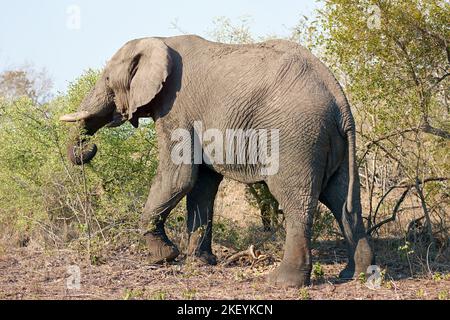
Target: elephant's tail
column 347, row 129
column 350, row 205
column 352, row 169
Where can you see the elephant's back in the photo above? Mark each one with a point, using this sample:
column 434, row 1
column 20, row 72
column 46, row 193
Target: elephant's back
column 196, row 46
column 276, row 83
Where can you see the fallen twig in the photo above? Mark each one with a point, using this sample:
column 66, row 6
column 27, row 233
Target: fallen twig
column 250, row 252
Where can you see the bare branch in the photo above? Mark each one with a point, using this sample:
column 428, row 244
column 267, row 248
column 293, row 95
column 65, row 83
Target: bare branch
column 431, row 179
column 400, row 200
column 394, row 213
column 439, row 39
column 425, row 209
column 440, row 79
column 250, row 252
column 427, row 128
column 391, row 135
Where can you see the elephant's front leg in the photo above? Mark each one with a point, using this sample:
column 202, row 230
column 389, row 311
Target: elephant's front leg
column 171, row 183
column 200, row 206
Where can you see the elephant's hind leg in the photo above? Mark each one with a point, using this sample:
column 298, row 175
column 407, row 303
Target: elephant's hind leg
column 299, row 203
column 200, row 206
column 360, row 254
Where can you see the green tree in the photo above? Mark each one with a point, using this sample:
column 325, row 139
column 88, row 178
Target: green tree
column 25, row 81
column 43, row 196
column 393, row 58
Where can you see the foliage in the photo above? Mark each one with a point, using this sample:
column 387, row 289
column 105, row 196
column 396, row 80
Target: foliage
column 133, row 294
column 25, row 82
column 41, row 191
column 317, row 271
column 324, row 224
column 393, row 59
column 405, row 249
column 159, row 295
column 420, row 293
column 362, row 278
column 226, row 31
column 189, row 294
column 443, row 295
column 303, row 294
column 271, row 214
column 225, row 232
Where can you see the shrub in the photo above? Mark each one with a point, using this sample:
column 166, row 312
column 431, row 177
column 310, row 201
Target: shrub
column 40, row 189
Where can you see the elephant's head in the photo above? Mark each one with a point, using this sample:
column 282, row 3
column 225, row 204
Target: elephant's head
column 131, row 80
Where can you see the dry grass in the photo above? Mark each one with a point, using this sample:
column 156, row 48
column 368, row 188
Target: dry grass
column 29, row 273
column 122, row 272
column 231, row 203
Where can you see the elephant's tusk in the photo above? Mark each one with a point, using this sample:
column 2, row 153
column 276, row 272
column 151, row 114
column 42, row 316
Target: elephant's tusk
column 73, row 117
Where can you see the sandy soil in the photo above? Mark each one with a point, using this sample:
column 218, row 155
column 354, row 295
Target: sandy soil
column 29, row 273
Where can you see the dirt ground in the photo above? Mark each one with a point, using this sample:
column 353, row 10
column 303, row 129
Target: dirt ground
column 30, row 273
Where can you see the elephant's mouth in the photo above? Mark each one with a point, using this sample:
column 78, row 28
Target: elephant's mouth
column 117, row 119
column 81, row 152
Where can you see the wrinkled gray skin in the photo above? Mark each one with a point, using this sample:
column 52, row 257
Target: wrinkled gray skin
column 275, row 84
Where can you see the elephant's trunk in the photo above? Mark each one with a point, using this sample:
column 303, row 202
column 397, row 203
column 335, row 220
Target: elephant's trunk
column 81, row 152
column 96, row 110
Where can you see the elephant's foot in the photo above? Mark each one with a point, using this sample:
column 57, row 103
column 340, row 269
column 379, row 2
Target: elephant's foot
column 364, row 256
column 348, row 273
column 205, row 257
column 160, row 248
column 199, row 250
column 359, row 262
column 289, row 276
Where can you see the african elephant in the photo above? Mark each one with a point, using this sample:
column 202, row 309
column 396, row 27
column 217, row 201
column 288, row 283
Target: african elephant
column 275, row 85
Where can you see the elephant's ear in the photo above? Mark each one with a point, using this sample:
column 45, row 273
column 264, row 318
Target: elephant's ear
column 149, row 65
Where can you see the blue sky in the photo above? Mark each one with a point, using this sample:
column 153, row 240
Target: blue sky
column 37, row 32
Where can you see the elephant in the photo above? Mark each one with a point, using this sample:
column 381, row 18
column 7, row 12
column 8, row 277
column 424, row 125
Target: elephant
column 278, row 85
